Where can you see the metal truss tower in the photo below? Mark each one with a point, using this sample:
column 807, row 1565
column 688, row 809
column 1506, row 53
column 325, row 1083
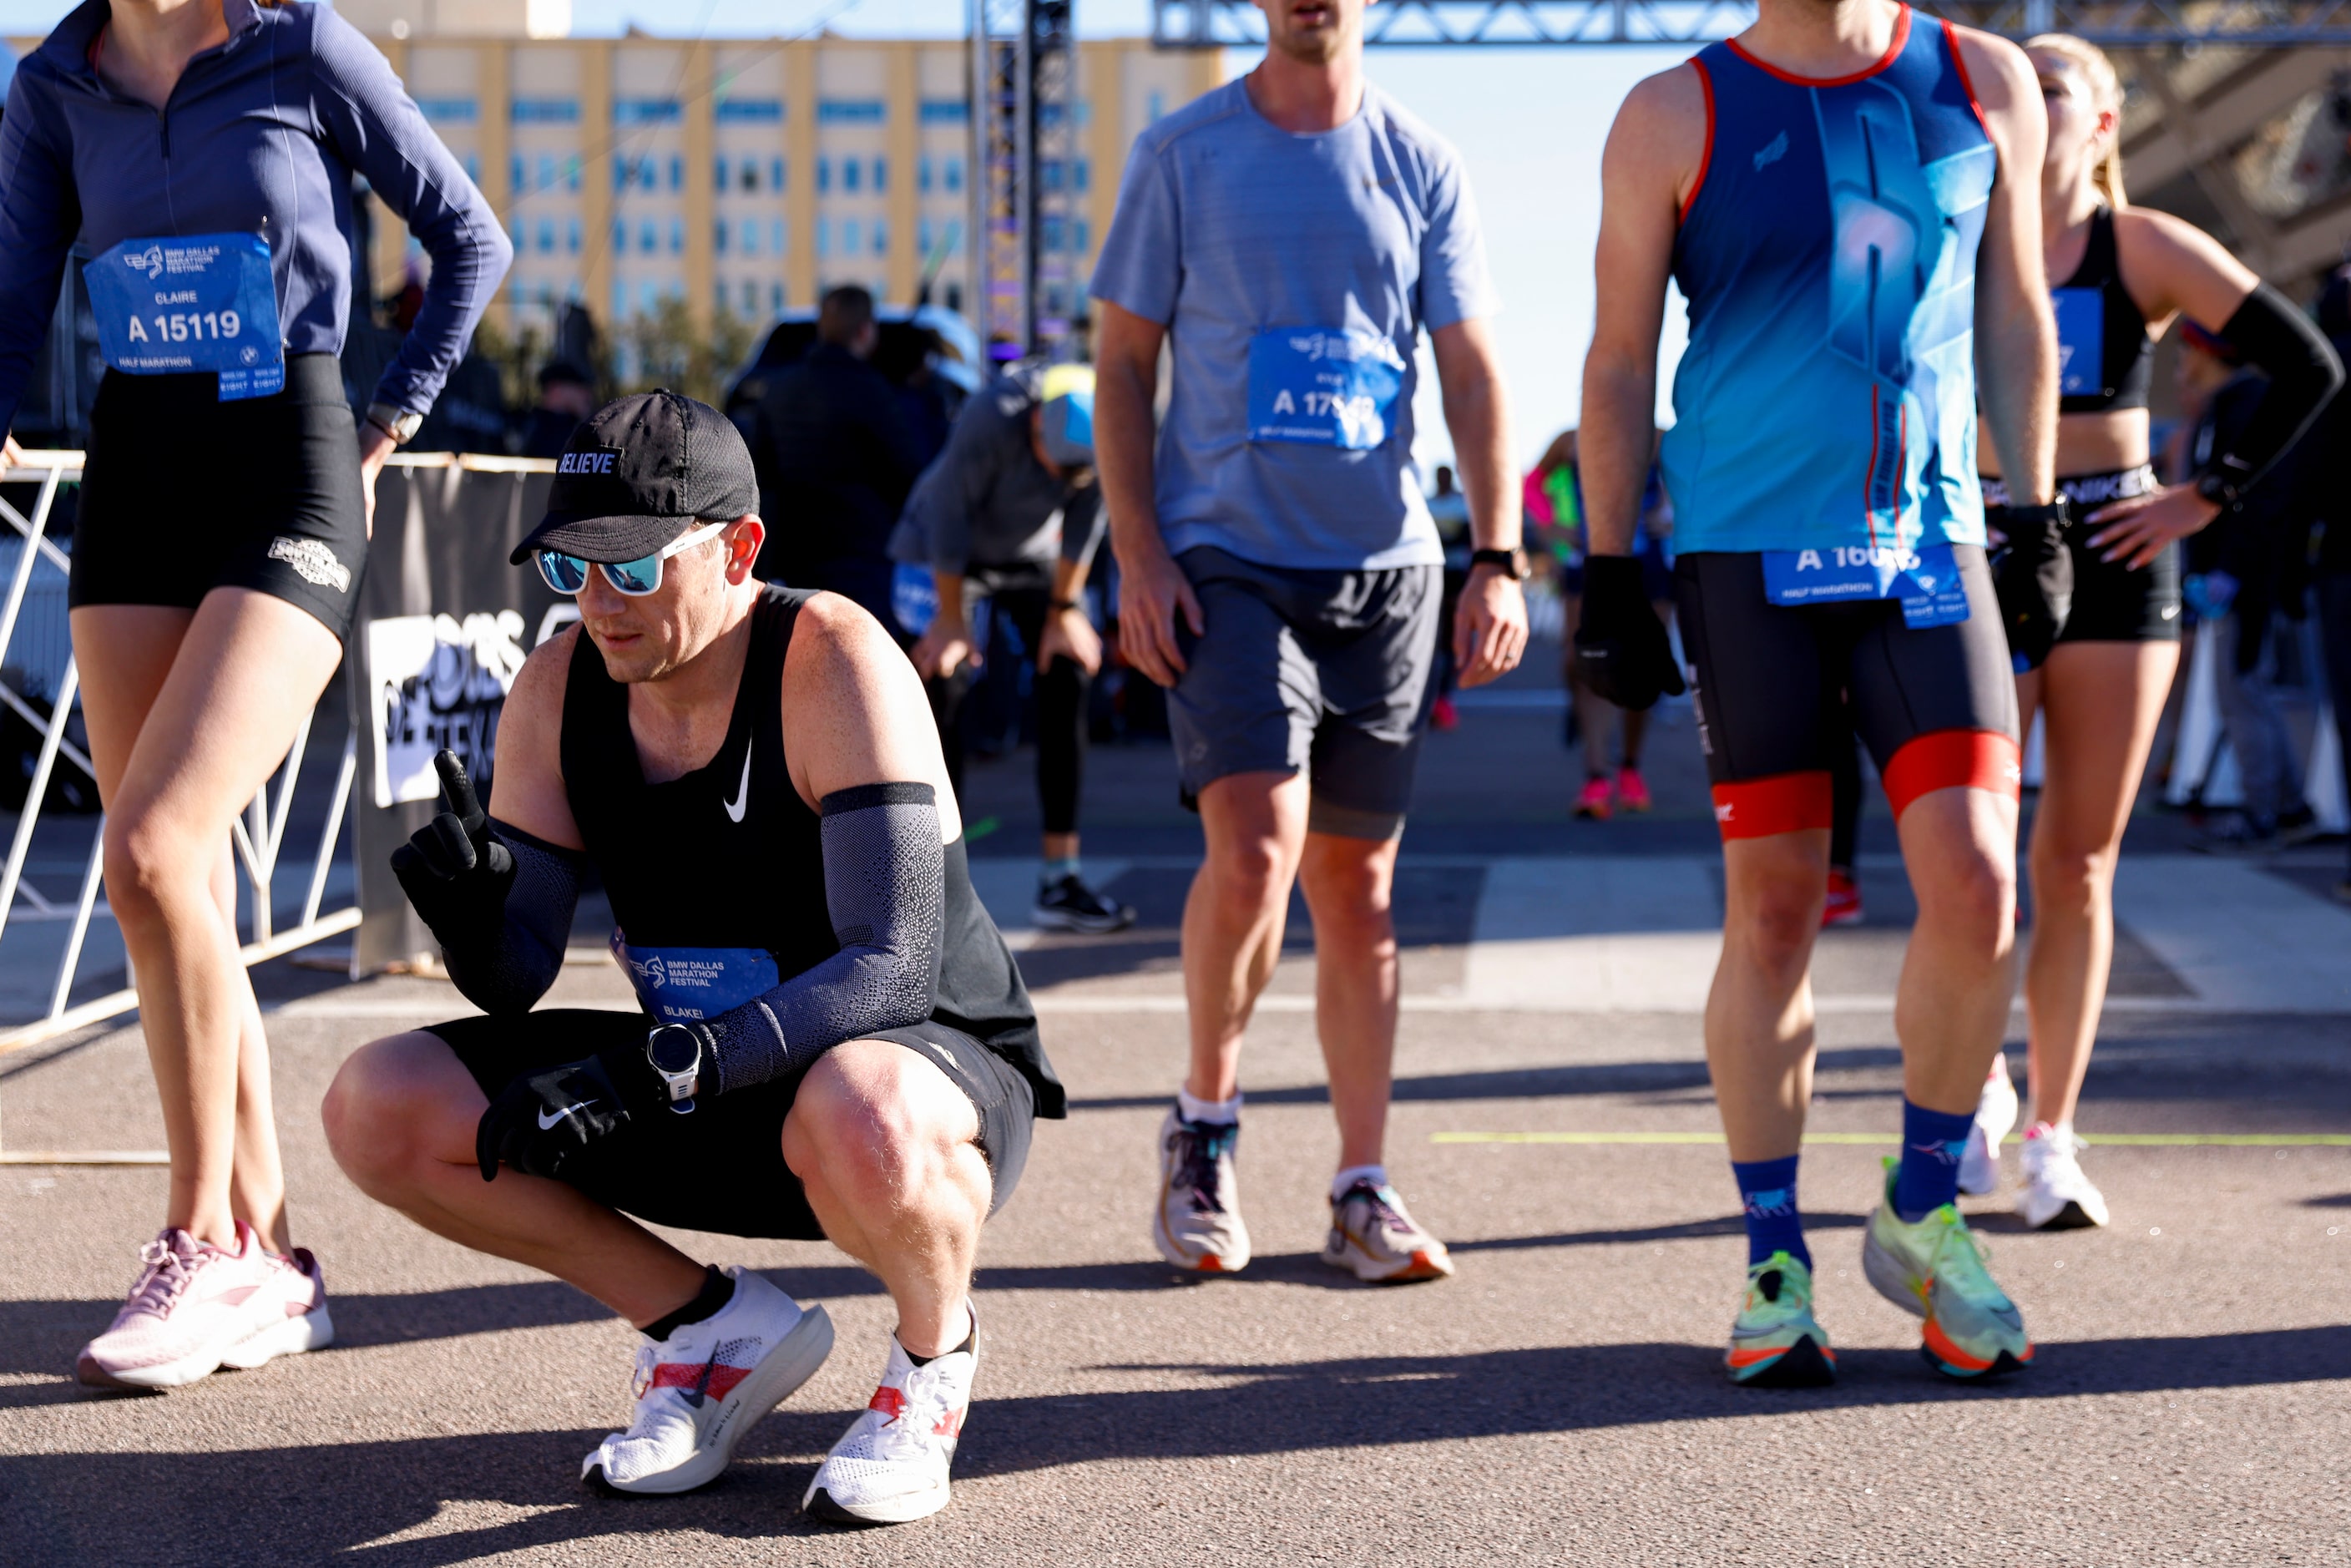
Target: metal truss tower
column 1023, row 82
column 2114, row 24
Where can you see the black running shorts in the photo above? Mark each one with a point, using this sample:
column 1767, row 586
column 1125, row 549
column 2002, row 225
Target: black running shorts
column 184, row 493
column 721, row 1169
column 2113, row 601
column 1936, row 705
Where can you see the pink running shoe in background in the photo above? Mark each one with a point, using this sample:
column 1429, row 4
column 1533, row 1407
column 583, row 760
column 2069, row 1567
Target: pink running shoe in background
column 1597, row 801
column 197, row 1307
column 1631, row 789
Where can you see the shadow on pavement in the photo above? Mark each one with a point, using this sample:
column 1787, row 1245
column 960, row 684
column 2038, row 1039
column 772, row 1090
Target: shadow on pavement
column 1521, row 1082
column 52, row 1502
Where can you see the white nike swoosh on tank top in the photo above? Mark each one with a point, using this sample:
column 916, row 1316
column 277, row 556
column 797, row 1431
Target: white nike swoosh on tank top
column 742, row 802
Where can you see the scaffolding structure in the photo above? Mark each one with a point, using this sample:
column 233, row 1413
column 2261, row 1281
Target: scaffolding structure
column 1024, row 126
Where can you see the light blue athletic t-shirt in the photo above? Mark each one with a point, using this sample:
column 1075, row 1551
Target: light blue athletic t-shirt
column 1294, row 273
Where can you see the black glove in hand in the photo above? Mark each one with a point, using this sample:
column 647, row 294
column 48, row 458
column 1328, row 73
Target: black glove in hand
column 1622, row 650
column 454, row 870
column 2033, row 577
column 542, row 1120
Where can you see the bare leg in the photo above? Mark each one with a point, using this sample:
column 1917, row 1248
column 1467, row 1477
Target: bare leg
column 1950, row 1008
column 2102, row 701
column 1233, row 921
column 1759, row 1014
column 1350, row 885
column 242, row 671
column 401, row 1116
column 256, row 1189
column 884, row 1143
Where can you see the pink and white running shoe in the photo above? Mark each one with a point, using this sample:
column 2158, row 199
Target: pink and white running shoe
column 197, row 1307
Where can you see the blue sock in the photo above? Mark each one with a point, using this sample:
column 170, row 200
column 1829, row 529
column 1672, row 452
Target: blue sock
column 1766, row 1191
column 1928, row 1176
column 1050, row 872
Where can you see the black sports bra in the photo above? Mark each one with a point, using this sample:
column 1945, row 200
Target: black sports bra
column 2104, row 357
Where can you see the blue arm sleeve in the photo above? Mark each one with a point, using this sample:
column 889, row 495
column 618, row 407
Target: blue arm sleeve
column 40, row 213
column 365, row 115
column 884, row 888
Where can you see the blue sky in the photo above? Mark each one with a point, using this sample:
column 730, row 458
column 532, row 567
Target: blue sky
column 1528, row 122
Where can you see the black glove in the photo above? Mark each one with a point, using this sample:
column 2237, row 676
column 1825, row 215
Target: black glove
column 2033, row 577
column 455, row 871
column 542, row 1119
column 1622, row 650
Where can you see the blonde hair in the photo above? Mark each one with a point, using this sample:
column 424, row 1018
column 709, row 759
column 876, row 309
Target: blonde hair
column 2106, row 93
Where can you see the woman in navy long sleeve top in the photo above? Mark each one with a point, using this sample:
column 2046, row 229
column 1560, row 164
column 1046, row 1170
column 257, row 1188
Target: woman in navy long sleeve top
column 195, row 157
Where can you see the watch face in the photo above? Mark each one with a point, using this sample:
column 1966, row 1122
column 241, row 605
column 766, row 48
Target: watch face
column 673, row 1049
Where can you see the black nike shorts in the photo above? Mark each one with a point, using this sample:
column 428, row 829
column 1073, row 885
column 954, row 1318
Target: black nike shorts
column 721, row 1169
column 2113, row 601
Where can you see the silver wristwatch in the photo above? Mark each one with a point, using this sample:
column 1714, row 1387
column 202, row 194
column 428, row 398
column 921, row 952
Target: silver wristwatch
column 675, row 1053
column 396, row 422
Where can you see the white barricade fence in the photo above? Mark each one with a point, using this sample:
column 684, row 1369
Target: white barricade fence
column 443, row 526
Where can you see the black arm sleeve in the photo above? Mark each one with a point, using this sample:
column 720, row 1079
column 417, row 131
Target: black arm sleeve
column 884, row 888
column 2304, row 376
column 506, row 967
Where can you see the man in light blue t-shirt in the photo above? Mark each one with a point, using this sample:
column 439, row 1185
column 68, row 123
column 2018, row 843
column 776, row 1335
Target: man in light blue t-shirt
column 1286, row 238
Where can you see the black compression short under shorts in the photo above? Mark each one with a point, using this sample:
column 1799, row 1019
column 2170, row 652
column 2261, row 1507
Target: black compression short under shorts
column 722, row 1168
column 1936, row 705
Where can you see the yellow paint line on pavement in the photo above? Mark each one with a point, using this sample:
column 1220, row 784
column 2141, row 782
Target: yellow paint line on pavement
column 2115, row 1140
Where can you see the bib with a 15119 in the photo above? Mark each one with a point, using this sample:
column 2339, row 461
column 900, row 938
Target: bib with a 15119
column 1324, row 386
column 199, row 302
column 1927, row 582
column 690, row 984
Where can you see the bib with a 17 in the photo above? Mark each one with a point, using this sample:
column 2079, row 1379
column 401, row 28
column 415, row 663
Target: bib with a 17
column 1925, row 581
column 193, row 303
column 1324, row 386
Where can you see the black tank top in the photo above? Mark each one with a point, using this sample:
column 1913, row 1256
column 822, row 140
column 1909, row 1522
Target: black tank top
column 730, row 855
column 2107, row 358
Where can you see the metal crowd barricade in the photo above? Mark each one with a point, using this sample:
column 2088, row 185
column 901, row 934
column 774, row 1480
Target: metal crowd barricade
column 259, row 837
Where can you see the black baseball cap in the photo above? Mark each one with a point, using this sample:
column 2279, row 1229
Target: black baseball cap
column 639, row 472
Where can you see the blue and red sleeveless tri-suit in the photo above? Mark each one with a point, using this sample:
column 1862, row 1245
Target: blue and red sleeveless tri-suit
column 1828, row 528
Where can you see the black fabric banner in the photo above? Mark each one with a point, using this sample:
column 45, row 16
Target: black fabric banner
column 445, row 623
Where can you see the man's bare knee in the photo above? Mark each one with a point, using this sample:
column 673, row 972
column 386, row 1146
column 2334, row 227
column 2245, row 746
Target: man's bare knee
column 1973, row 899
column 390, row 1102
column 874, row 1124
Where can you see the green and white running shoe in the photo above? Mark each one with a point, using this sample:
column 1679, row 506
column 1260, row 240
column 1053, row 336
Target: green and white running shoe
column 1775, row 1342
column 1935, row 1270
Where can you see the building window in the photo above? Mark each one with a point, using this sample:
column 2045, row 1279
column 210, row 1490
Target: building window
column 750, row 111
column 514, row 173
column 750, row 174
column 776, row 297
column 645, row 112
column 750, row 296
column 648, row 237
column 448, row 111
column 923, row 235
column 545, row 111
column 954, row 171
column 1156, row 107
column 676, row 174
column 776, row 240
column 851, row 111
column 1084, row 173
column 718, row 181
column 547, row 236
column 881, row 237
column 954, row 297
column 946, row 111
column 852, row 174
column 620, row 298
column 824, row 237
column 571, row 237
column 619, row 237
column 718, row 237
column 881, row 175
column 851, row 232
column 572, row 174
column 1085, row 236
column 473, row 168
column 750, row 238
column 1048, row 174
column 677, row 236
column 776, row 175
column 823, row 175
column 648, row 297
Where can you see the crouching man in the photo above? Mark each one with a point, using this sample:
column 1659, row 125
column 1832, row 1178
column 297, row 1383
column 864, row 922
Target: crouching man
column 835, row 1042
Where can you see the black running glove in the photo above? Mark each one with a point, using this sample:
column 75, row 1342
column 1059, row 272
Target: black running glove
column 2033, row 577
column 542, row 1120
column 454, row 869
column 1622, row 650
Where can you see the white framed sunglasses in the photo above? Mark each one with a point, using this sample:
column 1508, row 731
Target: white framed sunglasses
column 568, row 574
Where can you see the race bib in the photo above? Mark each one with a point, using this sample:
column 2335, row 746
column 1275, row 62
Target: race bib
column 690, row 984
column 1927, row 582
column 1323, row 387
column 204, row 302
column 2081, row 341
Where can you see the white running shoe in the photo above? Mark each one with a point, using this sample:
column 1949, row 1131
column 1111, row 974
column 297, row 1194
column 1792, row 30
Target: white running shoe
column 196, row 1307
column 892, row 1465
column 2057, row 1195
column 701, row 1389
column 1197, row 1224
column 1995, row 1114
column 1372, row 1235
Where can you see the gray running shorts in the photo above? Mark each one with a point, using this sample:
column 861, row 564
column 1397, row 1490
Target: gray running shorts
column 1321, row 672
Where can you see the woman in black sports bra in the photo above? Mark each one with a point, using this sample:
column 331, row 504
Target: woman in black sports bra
column 2127, row 274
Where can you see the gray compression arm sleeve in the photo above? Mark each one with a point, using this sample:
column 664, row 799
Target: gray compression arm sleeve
column 884, row 888
column 507, row 969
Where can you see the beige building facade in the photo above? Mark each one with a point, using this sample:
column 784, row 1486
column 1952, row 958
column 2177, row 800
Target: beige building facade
column 744, row 176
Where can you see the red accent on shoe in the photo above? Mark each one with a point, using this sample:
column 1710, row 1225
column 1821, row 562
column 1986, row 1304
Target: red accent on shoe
column 1444, row 715
column 1843, row 905
column 890, row 1402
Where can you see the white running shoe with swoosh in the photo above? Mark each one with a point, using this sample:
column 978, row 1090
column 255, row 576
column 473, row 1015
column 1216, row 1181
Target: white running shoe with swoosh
column 705, row 1386
column 891, row 1466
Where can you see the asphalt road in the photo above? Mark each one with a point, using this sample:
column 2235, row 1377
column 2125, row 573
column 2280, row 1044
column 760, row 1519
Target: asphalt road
column 1561, row 1400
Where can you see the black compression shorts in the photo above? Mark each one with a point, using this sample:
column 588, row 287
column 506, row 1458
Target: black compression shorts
column 184, row 493
column 721, row 1169
column 1936, row 705
column 2113, row 601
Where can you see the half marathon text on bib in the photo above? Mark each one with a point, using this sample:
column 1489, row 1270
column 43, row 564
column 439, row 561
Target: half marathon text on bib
column 1927, row 582
column 1324, row 386
column 204, row 302
column 690, row 985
